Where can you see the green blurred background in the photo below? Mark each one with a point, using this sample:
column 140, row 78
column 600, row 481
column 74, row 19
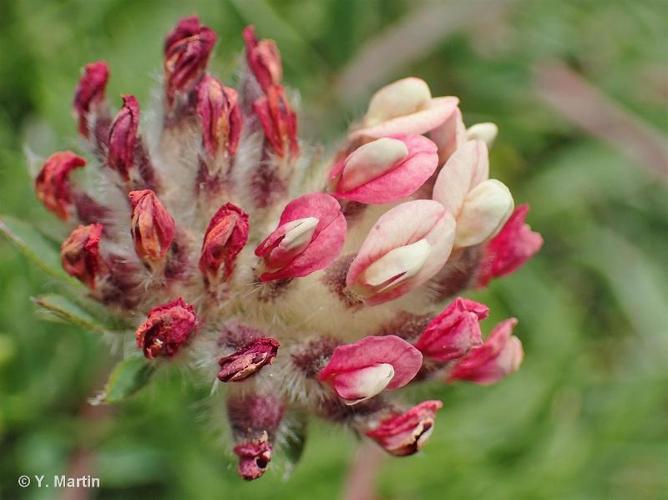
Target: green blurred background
column 587, row 415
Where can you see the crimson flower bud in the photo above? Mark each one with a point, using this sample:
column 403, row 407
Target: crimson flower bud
column 364, row 369
column 80, row 254
column 89, row 93
column 152, row 227
column 406, row 433
column 515, row 244
column 454, row 332
column 309, row 236
column 219, row 115
column 500, row 355
column 167, row 328
column 263, row 59
column 225, row 236
column 279, row 122
column 123, row 137
column 187, row 50
column 248, row 360
column 254, row 457
column 53, row 184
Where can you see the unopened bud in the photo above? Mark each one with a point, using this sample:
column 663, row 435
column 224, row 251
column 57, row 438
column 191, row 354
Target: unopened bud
column 80, row 254
column 52, row 185
column 166, row 329
column 152, row 227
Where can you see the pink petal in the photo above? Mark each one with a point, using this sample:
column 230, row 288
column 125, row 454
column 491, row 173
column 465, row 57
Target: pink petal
column 409, row 244
column 466, row 168
column 454, row 331
column 515, row 244
column 353, row 365
column 381, row 179
column 420, row 122
column 449, row 136
column 406, row 433
column 324, row 245
column 500, row 355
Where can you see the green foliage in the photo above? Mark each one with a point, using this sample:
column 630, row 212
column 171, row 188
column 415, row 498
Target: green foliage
column 585, row 418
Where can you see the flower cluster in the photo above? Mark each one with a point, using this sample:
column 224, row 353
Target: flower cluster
column 199, row 227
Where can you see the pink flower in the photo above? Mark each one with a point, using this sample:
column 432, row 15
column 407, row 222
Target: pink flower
column 219, row 115
column 385, row 170
column 152, row 227
column 479, row 204
column 248, row 360
column 89, row 93
column 404, row 107
column 187, row 50
column 279, row 122
column 408, row 245
column 309, row 236
column 263, row 59
column 123, row 137
column 515, row 244
column 405, row 433
column 500, row 355
column 53, row 182
column 225, row 236
column 167, row 329
column 451, row 334
column 80, row 254
column 364, row 369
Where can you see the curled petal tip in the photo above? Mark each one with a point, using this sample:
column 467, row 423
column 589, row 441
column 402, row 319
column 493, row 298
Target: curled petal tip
column 309, row 236
column 362, row 370
column 484, row 211
column 52, row 184
column 485, row 132
column 167, row 329
column 385, row 170
column 406, row 433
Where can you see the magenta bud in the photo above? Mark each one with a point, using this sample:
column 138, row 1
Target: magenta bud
column 225, row 236
column 167, row 329
column 123, row 137
column 80, row 254
column 364, row 369
column 152, row 227
column 89, row 94
column 187, row 50
column 500, row 355
column 248, row 360
column 53, row 182
column 309, row 236
column 219, row 115
column 254, row 457
column 279, row 122
column 263, row 59
column 515, row 244
column 405, row 433
column 453, row 333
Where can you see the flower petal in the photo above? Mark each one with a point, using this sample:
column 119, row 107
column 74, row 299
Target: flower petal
column 484, row 211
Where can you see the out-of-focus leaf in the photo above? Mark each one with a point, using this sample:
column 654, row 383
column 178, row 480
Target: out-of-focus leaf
column 33, row 245
column 295, row 440
column 54, row 307
column 127, row 377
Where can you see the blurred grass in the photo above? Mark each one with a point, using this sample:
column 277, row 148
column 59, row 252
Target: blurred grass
column 585, row 418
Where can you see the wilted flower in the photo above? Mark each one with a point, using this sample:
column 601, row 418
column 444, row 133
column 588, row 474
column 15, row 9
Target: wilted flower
column 306, row 284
